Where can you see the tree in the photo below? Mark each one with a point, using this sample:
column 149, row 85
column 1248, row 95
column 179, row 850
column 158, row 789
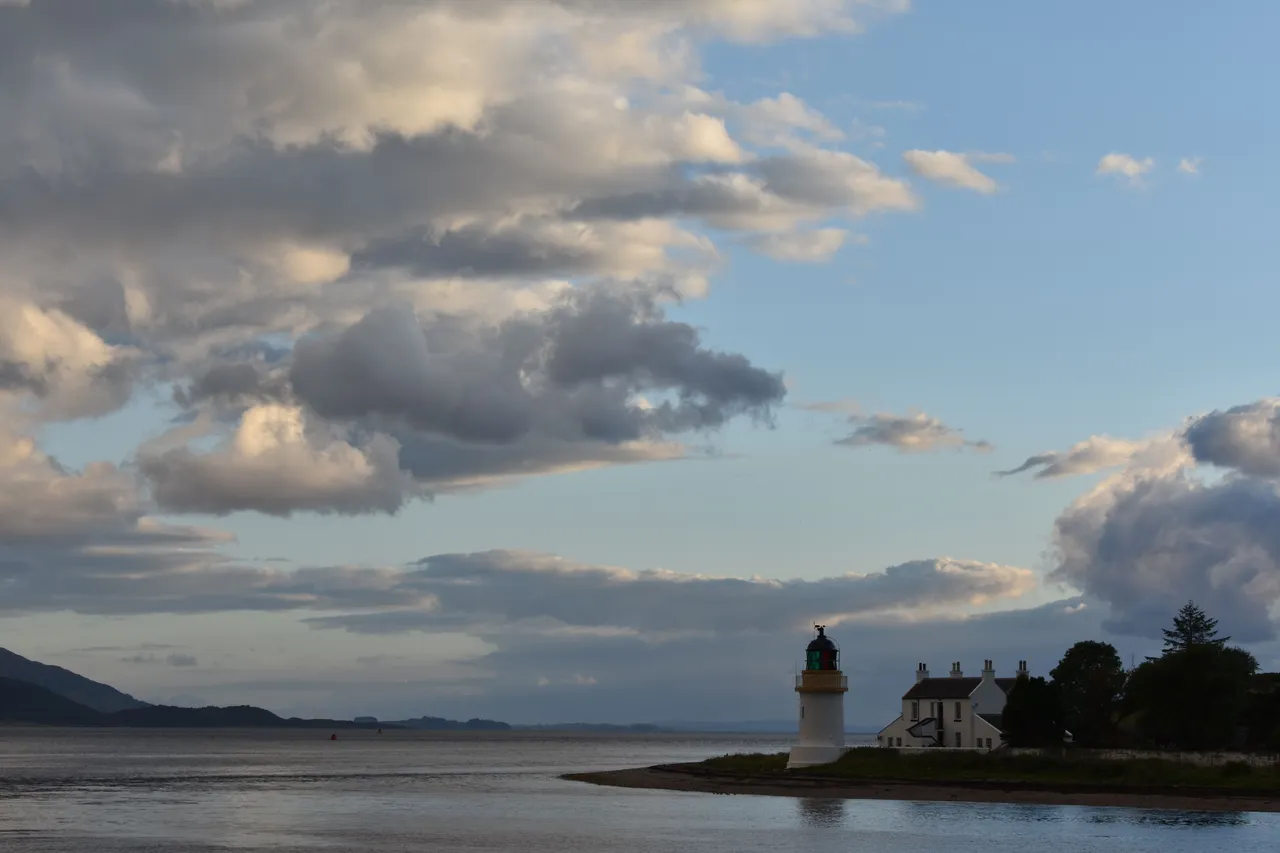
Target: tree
column 1192, row 627
column 1089, row 680
column 1191, row 699
column 1033, row 714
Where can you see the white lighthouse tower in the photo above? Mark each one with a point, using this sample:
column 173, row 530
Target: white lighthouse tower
column 821, row 687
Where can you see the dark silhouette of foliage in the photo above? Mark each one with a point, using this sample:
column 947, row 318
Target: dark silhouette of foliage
column 1192, row 627
column 1033, row 714
column 1192, row 699
column 1262, row 712
column 1090, row 680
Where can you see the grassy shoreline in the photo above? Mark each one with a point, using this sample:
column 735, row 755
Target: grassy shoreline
column 942, row 767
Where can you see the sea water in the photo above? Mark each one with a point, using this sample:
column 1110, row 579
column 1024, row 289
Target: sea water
column 102, row 790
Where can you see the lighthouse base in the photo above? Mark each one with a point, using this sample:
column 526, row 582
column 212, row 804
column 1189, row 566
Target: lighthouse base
column 808, row 756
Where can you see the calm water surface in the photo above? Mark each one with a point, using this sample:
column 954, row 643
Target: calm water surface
column 112, row 791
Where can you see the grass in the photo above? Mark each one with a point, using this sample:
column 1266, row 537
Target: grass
column 942, row 766
column 748, row 762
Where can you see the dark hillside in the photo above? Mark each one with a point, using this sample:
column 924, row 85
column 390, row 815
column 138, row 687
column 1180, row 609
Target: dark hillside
column 64, row 682
column 22, row 702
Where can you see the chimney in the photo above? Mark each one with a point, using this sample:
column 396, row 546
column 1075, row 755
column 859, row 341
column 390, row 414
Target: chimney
column 988, row 671
column 922, row 672
column 955, row 670
column 1022, row 668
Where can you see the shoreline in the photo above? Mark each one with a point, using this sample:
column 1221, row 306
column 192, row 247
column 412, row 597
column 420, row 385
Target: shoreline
column 685, row 777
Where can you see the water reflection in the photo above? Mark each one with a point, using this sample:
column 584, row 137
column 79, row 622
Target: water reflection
column 821, row 811
column 1172, row 818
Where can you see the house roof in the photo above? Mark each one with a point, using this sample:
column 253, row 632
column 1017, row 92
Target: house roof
column 952, row 688
column 996, row 720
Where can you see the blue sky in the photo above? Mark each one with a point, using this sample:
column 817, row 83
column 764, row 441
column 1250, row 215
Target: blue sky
column 1064, row 305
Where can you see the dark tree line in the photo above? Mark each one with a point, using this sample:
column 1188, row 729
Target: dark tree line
column 1198, row 694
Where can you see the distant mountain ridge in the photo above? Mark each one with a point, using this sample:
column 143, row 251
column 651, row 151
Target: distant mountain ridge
column 441, row 724
column 99, row 697
column 33, row 693
column 22, row 702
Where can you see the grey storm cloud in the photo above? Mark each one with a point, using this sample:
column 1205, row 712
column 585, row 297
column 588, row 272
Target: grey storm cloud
column 1243, row 438
column 1157, row 532
column 502, row 587
column 1148, row 543
column 495, row 588
column 18, row 375
column 588, row 359
column 232, row 382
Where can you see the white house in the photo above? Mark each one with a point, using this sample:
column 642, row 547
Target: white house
column 955, row 712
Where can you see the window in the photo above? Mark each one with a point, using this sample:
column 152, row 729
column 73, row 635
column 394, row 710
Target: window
column 915, row 710
column 899, row 741
column 802, row 712
column 957, row 739
column 988, row 743
column 957, row 712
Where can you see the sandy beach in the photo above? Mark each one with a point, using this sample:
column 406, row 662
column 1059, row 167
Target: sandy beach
column 688, row 777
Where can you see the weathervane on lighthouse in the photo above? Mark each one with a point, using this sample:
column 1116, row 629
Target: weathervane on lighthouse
column 821, row 687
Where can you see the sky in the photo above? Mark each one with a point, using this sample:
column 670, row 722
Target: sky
column 553, row 360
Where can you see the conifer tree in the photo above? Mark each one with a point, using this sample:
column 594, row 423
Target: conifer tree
column 1192, row 627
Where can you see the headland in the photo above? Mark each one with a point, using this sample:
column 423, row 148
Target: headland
column 876, row 774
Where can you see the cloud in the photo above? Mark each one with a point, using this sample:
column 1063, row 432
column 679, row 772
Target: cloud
column 504, row 587
column 261, row 192
column 1243, row 438
column 1145, row 544
column 773, row 193
column 173, row 659
column 1156, row 532
column 1124, row 166
column 912, row 433
column 67, row 367
column 817, row 246
column 634, row 675
column 278, row 464
column 1190, row 165
column 575, row 370
column 174, row 571
column 1096, row 453
column 948, row 167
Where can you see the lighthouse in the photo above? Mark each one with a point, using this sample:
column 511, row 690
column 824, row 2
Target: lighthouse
column 821, row 687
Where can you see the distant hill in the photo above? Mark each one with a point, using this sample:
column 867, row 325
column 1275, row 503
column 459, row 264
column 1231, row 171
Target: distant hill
column 213, row 717
column 66, row 683
column 441, row 724
column 23, row 702
column 167, row 716
column 31, row 704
